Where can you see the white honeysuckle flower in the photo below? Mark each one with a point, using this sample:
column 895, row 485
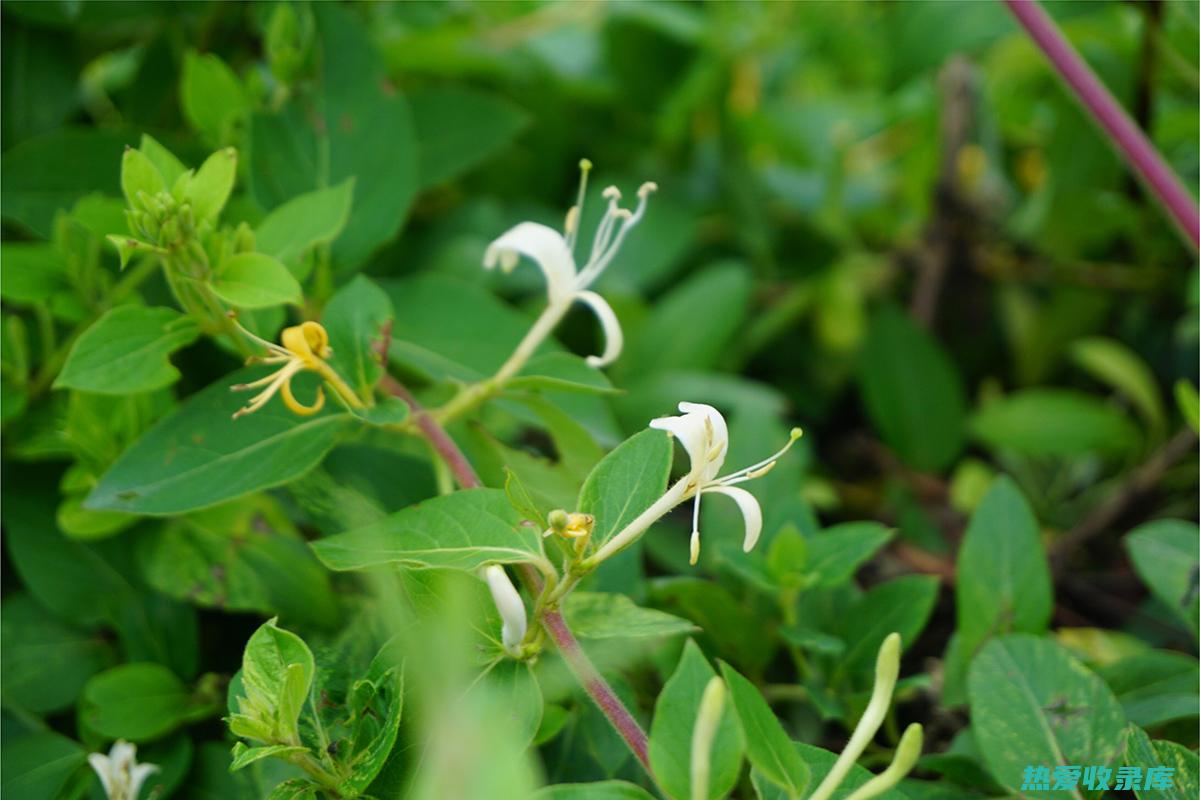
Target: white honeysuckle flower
column 120, row 774
column 704, row 435
column 509, row 604
column 553, row 252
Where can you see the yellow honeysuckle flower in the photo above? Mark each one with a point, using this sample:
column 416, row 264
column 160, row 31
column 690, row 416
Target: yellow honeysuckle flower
column 305, row 347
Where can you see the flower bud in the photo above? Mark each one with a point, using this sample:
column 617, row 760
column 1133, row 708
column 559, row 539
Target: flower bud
column 511, row 607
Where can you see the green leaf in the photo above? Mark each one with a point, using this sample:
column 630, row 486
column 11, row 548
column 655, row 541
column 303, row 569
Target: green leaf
column 724, row 620
column 384, row 719
column 198, row 456
column 596, row 790
column 1032, row 703
column 386, row 411
column 277, row 673
column 46, row 662
column 139, row 176
column 820, row 762
column 307, row 220
column 464, row 530
column 1054, row 422
column 1184, row 765
column 450, row 140
column 139, row 702
column 210, row 188
column 512, row 683
column 835, row 554
column 38, row 765
column 355, row 317
column 901, row 605
column 338, row 131
column 1155, row 686
column 295, row 789
column 168, row 165
column 254, row 280
column 42, row 175
column 244, row 756
column 912, row 391
column 1003, row 581
column 626, row 482
column 1164, row 553
column 719, row 295
column 675, row 714
column 240, row 556
column 33, row 272
column 1188, row 401
column 602, row 615
column 212, row 97
column 767, row 744
column 126, row 351
column 561, row 372
column 128, row 247
column 1113, row 363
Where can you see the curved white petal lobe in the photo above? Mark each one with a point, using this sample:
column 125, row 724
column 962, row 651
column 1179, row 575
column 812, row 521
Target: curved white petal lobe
column 545, row 246
column 751, row 512
column 689, row 430
column 614, row 340
column 718, row 439
column 100, row 763
column 139, row 775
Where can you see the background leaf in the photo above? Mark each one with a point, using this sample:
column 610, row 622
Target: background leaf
column 912, row 392
column 1165, row 556
column 450, row 141
column 1032, row 703
column 767, row 745
column 1054, row 422
column 675, row 714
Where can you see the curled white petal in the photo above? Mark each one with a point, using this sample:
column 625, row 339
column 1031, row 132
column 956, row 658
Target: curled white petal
column 614, row 340
column 702, row 431
column 751, row 512
column 509, row 604
column 720, row 435
column 122, row 755
column 103, row 768
column 542, row 244
column 689, row 430
column 138, row 776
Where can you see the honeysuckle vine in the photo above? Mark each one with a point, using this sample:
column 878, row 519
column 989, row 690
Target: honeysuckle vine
column 169, row 225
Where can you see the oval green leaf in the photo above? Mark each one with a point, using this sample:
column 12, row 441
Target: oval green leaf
column 199, row 456
column 254, row 280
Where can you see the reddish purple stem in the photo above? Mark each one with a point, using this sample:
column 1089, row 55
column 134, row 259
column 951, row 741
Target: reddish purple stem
column 589, row 677
column 1122, row 131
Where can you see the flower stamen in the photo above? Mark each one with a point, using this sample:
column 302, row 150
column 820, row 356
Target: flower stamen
column 305, row 348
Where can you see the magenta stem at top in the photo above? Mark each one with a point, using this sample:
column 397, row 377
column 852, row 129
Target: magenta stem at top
column 1121, row 129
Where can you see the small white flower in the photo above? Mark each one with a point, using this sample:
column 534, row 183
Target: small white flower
column 119, row 771
column 509, row 604
column 554, row 254
column 704, row 435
